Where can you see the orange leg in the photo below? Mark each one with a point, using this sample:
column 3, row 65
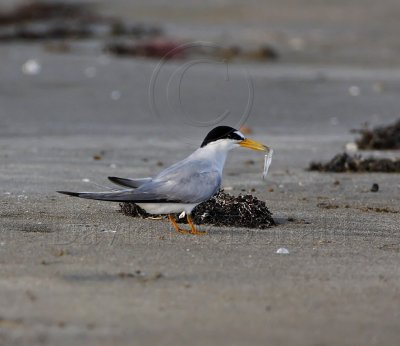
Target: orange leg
column 193, row 228
column 180, row 230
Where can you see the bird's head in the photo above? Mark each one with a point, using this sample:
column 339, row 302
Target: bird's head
column 226, row 137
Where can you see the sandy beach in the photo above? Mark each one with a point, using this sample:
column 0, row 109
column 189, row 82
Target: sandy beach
column 80, row 272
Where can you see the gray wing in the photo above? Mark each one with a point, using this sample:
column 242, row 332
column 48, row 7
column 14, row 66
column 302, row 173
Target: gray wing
column 188, row 181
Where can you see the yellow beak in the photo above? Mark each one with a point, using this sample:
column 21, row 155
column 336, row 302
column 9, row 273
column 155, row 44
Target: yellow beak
column 249, row 143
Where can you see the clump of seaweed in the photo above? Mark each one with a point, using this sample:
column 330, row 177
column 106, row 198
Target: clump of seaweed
column 151, row 48
column 168, row 48
column 221, row 210
column 132, row 209
column 380, row 138
column 355, row 163
column 42, row 10
column 43, row 20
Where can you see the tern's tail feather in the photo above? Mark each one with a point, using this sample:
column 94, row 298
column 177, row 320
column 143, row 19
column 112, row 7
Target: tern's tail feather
column 129, row 195
column 74, row 194
column 134, row 183
column 117, row 196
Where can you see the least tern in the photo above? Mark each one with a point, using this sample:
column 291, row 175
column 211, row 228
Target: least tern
column 185, row 184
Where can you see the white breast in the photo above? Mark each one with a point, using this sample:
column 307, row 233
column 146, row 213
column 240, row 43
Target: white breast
column 167, row 208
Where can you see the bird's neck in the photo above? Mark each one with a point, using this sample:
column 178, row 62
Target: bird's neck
column 215, row 153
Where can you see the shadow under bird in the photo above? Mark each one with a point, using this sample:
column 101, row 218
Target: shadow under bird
column 182, row 186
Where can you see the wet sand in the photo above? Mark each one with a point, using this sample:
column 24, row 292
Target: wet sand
column 79, row 272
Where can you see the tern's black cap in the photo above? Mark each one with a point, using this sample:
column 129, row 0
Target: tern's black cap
column 221, row 132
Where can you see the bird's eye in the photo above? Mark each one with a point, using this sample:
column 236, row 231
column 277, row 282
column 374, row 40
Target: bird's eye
column 235, row 136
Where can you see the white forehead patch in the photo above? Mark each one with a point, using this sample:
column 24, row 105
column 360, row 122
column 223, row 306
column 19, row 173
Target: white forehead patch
column 240, row 134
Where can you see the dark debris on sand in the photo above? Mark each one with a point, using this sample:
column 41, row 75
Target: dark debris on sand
column 380, row 138
column 40, row 11
column 132, row 209
column 42, row 20
column 168, row 48
column 222, row 210
column 151, row 48
column 355, row 163
column 38, row 21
